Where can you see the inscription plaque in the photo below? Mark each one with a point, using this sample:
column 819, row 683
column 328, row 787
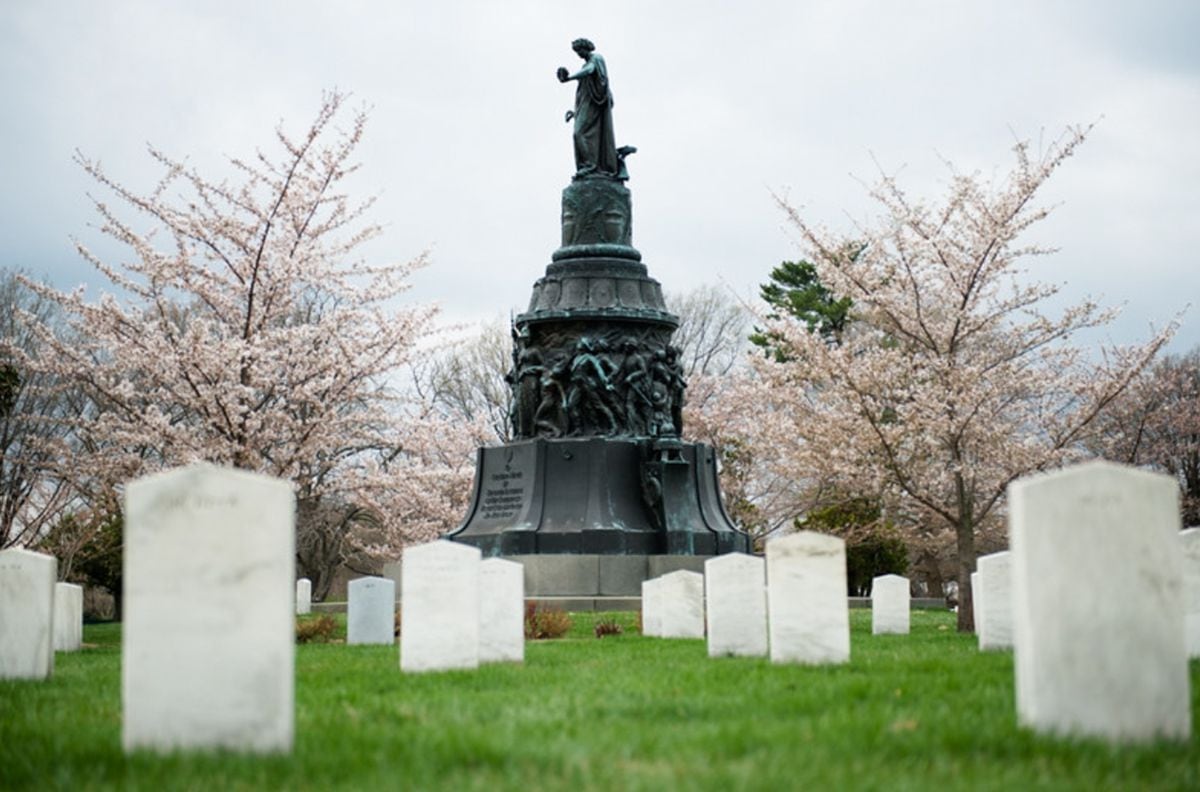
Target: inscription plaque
column 504, row 494
column 506, row 485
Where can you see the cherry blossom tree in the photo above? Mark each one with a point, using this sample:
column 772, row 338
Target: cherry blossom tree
column 1157, row 423
column 245, row 329
column 952, row 378
column 761, row 487
column 713, row 338
column 34, row 413
column 466, row 379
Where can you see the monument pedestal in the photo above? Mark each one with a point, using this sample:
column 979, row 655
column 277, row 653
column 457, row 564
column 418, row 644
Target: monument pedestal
column 592, row 575
column 593, row 582
column 594, row 497
column 582, row 581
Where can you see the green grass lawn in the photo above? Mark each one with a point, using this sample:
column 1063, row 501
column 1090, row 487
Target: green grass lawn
column 923, row 711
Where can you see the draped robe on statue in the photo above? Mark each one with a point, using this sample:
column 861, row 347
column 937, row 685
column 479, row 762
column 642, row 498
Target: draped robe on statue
column 595, row 141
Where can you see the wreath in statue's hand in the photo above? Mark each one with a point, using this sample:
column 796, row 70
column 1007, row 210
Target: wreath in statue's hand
column 563, row 74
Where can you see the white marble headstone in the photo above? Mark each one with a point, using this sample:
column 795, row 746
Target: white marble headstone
column 68, row 617
column 1190, row 539
column 652, row 608
column 371, row 611
column 27, row 614
column 993, row 592
column 1098, row 604
column 975, row 594
column 808, row 614
column 890, row 600
column 735, row 596
column 208, row 641
column 303, row 596
column 681, row 598
column 501, row 611
column 440, row 601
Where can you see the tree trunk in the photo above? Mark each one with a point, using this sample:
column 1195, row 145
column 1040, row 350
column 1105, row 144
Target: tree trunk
column 322, row 580
column 964, row 534
column 931, row 574
column 966, row 565
column 1191, row 488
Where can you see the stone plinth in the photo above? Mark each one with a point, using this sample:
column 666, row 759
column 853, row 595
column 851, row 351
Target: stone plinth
column 592, row 575
column 597, row 221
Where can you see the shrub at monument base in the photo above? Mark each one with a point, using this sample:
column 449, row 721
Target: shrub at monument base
column 607, row 627
column 543, row 621
column 922, row 711
column 316, row 629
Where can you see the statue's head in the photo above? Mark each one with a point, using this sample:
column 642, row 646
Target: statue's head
column 583, row 47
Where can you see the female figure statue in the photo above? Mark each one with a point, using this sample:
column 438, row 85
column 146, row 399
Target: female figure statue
column 595, row 141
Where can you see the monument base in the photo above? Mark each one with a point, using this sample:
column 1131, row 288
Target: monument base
column 592, row 575
column 597, row 496
column 580, row 582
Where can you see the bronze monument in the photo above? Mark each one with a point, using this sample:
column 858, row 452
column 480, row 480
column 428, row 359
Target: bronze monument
column 597, row 465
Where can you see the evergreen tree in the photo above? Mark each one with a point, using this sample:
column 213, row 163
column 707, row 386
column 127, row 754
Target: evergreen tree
column 795, row 291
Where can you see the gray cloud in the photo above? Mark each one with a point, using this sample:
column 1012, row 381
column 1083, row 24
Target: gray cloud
column 726, row 102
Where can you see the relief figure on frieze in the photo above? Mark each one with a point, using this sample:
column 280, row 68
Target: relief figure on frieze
column 591, row 395
column 550, row 418
column 527, row 380
column 636, row 383
column 662, row 379
column 676, row 388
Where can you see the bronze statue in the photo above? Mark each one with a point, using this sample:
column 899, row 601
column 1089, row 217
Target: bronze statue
column 595, row 142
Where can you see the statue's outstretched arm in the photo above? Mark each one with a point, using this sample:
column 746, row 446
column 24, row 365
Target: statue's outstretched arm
column 564, row 76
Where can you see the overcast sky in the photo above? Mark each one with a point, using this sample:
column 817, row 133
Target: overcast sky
column 727, row 102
